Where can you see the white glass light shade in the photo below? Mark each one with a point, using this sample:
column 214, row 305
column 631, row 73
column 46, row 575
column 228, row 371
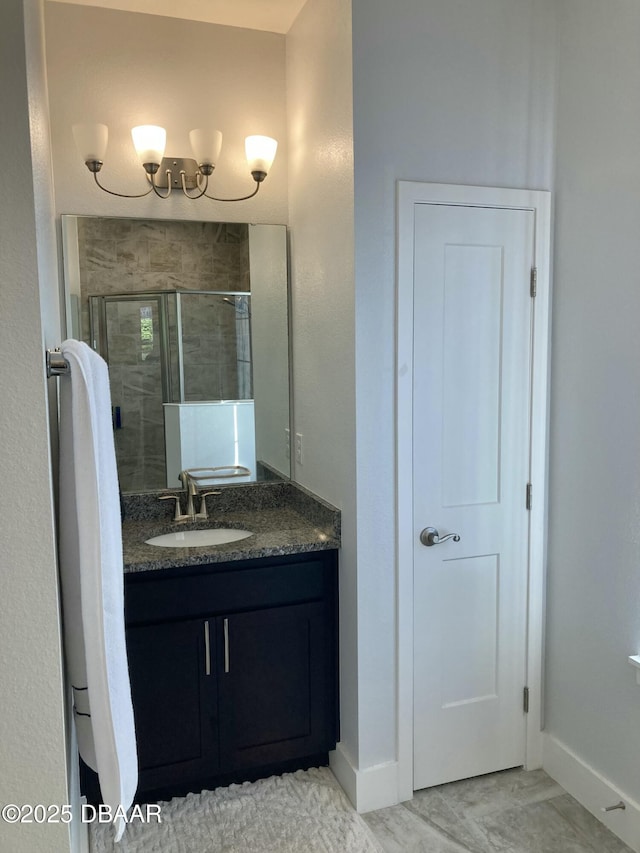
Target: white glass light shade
column 206, row 144
column 149, row 141
column 91, row 140
column 261, row 151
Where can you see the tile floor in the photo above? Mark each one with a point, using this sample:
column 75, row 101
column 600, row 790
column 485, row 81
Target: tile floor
column 511, row 812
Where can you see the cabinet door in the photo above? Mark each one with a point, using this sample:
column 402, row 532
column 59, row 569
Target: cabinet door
column 174, row 701
column 276, row 691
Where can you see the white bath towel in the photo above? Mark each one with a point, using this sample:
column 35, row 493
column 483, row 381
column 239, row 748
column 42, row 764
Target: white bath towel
column 91, row 569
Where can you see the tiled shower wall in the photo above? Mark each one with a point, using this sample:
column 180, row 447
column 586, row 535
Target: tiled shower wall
column 216, row 347
column 137, row 255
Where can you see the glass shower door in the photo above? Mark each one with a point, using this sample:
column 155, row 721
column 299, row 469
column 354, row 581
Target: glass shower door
column 130, row 334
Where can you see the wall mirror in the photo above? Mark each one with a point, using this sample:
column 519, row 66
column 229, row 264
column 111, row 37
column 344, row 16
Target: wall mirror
column 192, row 319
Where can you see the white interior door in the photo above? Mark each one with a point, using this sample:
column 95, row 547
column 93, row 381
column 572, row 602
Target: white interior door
column 471, row 449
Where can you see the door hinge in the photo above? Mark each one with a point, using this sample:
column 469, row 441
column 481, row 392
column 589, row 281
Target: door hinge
column 525, row 700
column 529, row 497
column 533, row 284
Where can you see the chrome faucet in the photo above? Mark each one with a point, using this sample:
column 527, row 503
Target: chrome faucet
column 191, row 490
column 190, row 485
column 189, row 481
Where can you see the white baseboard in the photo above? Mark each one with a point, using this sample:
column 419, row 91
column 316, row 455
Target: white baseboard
column 592, row 791
column 372, row 788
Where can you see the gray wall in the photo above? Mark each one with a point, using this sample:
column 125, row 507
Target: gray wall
column 594, row 579
column 453, row 91
column 319, row 103
column 32, row 736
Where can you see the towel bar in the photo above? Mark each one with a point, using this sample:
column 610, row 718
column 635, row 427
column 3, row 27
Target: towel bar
column 57, row 365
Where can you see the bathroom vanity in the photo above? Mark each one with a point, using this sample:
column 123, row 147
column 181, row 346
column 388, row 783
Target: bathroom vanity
column 232, row 648
column 233, row 669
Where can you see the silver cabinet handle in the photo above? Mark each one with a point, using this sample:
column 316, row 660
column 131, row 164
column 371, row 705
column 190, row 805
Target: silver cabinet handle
column 207, row 650
column 430, row 536
column 226, row 645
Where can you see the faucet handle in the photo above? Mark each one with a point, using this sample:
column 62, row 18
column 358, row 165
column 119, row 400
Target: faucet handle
column 203, row 504
column 177, row 516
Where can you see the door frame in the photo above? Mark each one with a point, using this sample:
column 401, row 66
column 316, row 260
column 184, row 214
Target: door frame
column 409, row 194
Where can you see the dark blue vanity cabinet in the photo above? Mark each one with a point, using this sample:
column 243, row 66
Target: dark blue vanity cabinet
column 233, row 670
column 175, row 708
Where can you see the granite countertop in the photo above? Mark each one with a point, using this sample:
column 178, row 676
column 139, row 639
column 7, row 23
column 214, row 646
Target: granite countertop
column 283, row 518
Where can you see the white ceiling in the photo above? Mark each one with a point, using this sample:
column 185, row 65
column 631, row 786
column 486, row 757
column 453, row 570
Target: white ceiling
column 275, row 16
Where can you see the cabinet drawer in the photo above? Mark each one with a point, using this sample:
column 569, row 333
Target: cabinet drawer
column 180, row 594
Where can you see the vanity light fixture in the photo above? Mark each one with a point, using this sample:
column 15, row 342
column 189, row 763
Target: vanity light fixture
column 167, row 173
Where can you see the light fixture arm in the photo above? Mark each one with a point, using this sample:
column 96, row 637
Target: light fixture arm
column 201, row 190
column 92, row 163
column 241, row 198
column 151, row 175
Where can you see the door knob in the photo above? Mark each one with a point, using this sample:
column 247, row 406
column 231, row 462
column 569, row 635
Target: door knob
column 430, row 536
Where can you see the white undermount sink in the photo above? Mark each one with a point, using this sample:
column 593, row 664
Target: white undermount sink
column 198, row 538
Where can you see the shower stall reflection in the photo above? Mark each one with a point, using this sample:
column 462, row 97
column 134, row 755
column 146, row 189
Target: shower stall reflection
column 181, row 382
